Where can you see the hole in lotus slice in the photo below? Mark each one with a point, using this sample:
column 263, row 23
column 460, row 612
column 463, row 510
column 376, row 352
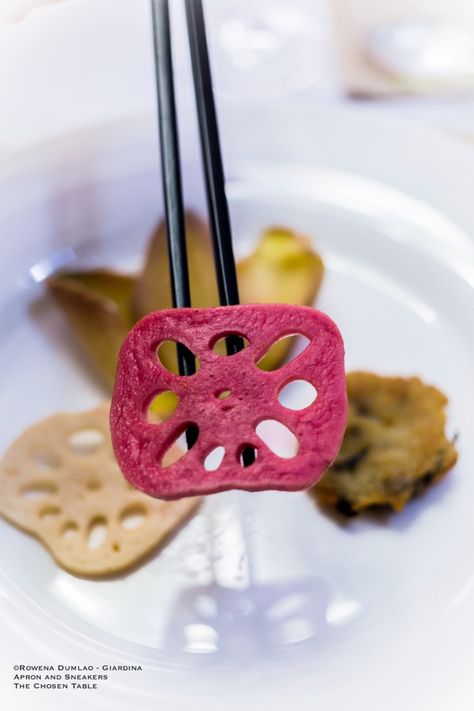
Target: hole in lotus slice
column 39, row 490
column 222, row 394
column 247, row 455
column 297, row 395
column 86, row 442
column 48, row 514
column 45, row 459
column 97, row 533
column 93, row 485
column 183, row 441
column 214, row 459
column 283, row 351
column 69, row 530
column 229, row 344
column 133, row 517
column 162, row 406
column 166, row 354
column 278, row 438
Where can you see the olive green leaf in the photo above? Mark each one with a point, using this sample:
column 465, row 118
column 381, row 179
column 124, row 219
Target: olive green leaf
column 153, row 287
column 97, row 304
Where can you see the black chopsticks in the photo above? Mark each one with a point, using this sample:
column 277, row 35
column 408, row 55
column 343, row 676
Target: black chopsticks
column 211, row 153
column 171, row 171
column 226, row 272
column 213, row 168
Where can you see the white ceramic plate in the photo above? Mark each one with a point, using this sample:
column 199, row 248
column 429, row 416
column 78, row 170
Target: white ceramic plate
column 262, row 599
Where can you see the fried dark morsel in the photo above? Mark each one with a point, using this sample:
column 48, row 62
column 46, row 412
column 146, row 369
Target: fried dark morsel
column 394, row 446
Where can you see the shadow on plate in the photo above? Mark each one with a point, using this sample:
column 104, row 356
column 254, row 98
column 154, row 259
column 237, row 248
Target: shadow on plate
column 258, row 621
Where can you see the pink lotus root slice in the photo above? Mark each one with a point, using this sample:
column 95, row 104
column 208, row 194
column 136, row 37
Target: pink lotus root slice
column 231, row 422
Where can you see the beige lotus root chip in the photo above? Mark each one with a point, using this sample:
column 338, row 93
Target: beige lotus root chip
column 59, row 481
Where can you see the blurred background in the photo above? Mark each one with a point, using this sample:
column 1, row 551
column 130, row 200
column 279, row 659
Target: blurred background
column 66, row 64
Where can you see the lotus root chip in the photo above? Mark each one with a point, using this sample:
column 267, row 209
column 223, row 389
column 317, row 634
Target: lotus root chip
column 60, row 482
column 226, row 400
